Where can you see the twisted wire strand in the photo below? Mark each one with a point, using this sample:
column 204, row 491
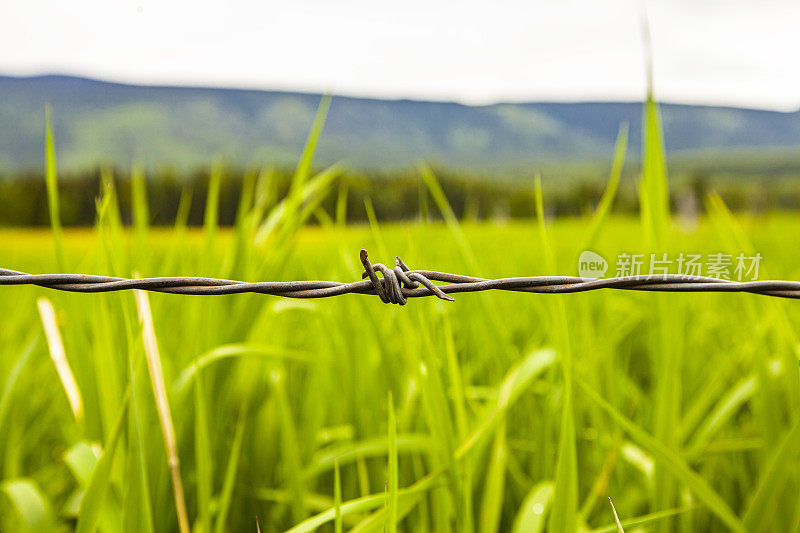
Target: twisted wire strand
column 399, row 284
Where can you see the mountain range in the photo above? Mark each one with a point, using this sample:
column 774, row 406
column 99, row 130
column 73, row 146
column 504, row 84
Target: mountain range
column 184, row 127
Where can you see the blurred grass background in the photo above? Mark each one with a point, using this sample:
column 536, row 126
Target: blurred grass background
column 498, row 412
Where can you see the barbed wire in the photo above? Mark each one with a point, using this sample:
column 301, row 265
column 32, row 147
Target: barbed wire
column 399, row 284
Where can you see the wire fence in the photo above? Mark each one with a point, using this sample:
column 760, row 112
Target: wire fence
column 400, row 283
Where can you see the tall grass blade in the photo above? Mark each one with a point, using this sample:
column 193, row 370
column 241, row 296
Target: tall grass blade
column 108, row 188
column 341, row 206
column 153, row 359
column 450, row 218
column 82, row 462
column 93, row 500
column 424, row 208
column 564, row 514
column 375, row 227
column 211, row 217
column 495, row 481
column 725, row 409
column 109, row 225
column 229, row 482
column 137, row 508
column 202, row 451
column 306, row 160
column 337, row 499
column 290, row 449
column 456, row 384
column 141, row 212
column 249, row 350
column 616, row 517
column 607, row 200
column 51, row 180
column 182, row 213
column 299, row 190
column 286, row 211
column 440, row 420
column 393, row 488
column 547, row 248
column 653, row 190
column 644, row 520
column 762, row 505
column 665, row 344
column 516, row 381
column 376, row 521
column 59, row 356
column 12, row 379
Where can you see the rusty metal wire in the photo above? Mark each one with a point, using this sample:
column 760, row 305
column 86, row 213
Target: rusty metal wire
column 399, row 284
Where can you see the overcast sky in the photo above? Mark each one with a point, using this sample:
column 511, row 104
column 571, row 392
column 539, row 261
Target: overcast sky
column 711, row 52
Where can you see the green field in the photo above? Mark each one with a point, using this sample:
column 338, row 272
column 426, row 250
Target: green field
column 287, row 388
column 497, row 412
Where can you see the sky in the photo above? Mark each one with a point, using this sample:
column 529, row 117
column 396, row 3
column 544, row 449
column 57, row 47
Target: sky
column 734, row 52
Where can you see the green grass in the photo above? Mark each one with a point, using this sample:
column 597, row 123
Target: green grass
column 496, row 412
column 306, row 383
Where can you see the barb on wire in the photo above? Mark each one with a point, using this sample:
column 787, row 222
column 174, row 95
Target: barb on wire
column 399, row 284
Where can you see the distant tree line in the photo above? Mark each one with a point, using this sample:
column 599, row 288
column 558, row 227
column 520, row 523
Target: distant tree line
column 394, row 196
